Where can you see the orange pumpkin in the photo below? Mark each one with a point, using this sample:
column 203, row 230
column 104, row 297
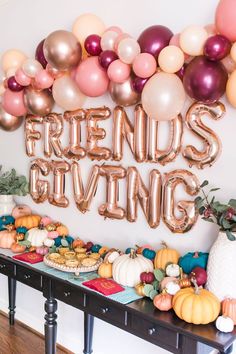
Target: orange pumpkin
column 105, row 270
column 164, row 256
column 7, row 238
column 103, row 250
column 17, row 248
column 21, row 210
column 163, row 301
column 28, row 221
column 78, row 243
column 229, row 308
column 62, row 230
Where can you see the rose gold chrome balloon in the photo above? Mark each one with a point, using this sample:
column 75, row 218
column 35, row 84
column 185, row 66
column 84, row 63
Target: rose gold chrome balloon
column 8, row 122
column 38, row 102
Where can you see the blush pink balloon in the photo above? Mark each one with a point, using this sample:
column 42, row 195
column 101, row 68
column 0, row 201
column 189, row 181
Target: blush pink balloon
column 119, row 38
column 225, row 19
column 22, row 78
column 91, row 78
column 115, row 29
column 13, row 103
column 43, row 79
column 118, row 71
column 144, row 65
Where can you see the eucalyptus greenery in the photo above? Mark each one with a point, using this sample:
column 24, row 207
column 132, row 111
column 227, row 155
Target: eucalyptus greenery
column 13, row 184
column 216, row 212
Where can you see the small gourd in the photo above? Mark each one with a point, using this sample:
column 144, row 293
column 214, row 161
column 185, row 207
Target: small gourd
column 62, row 230
column 172, row 287
column 163, row 301
column 105, row 270
column 173, row 270
column 42, row 250
column 164, row 256
column 147, row 277
column 48, row 242
column 165, row 281
column 140, row 289
column 37, row 236
column 29, row 221
column 78, row 243
column 96, row 248
column 229, row 308
column 149, row 254
column 52, row 234
column 21, row 210
column 46, row 220
column 111, row 256
column 192, row 260
column 7, row 238
column 225, row 324
column 103, row 250
column 17, row 248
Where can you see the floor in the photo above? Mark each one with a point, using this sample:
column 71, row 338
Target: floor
column 20, row 339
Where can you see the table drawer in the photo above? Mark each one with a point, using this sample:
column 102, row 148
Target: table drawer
column 29, row 277
column 110, row 312
column 154, row 333
column 70, row 295
column 6, row 267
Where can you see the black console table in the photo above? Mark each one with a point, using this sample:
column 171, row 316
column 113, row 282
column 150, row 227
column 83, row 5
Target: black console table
column 140, row 317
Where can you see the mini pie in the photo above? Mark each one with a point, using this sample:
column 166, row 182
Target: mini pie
column 63, row 250
column 80, row 250
column 94, row 256
column 53, row 256
column 69, row 255
column 72, row 263
column 80, row 256
column 88, row 262
column 60, row 260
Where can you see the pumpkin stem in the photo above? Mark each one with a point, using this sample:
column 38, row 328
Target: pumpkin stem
column 132, row 254
column 181, row 273
column 193, row 280
column 196, row 255
column 164, row 244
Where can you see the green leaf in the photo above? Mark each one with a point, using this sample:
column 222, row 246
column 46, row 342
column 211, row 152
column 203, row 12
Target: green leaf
column 232, row 203
column 214, row 189
column 152, row 294
column 198, row 199
column 208, row 219
column 25, row 243
column 204, row 183
column 230, row 236
column 53, row 249
column 158, row 274
column 201, row 210
column 155, row 284
column 147, row 289
column 226, row 224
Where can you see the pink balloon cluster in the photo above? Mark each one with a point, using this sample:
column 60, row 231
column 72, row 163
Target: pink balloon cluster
column 159, row 68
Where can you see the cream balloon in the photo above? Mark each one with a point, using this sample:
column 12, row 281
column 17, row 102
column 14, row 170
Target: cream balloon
column 128, row 49
column 233, row 52
column 11, row 72
column 8, row 122
column 12, row 58
column 171, row 59
column 163, row 96
column 67, row 94
column 38, row 102
column 87, row 24
column 192, row 40
column 231, row 89
column 108, row 40
column 31, row 67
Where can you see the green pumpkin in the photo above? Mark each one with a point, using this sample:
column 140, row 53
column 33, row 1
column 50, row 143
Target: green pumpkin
column 21, row 230
column 96, row 248
column 192, row 260
column 149, row 254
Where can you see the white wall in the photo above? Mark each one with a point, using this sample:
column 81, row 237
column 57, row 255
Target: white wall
column 22, row 25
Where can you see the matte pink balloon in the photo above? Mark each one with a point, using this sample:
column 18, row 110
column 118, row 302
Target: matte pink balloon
column 225, row 19
column 118, row 71
column 91, row 78
column 22, row 78
column 144, row 65
column 114, row 29
column 43, row 79
column 13, row 103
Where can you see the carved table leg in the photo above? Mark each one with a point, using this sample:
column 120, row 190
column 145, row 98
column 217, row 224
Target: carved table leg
column 194, row 347
column 88, row 333
column 50, row 326
column 12, row 300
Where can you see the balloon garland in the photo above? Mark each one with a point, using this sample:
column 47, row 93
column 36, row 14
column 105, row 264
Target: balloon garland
column 159, row 68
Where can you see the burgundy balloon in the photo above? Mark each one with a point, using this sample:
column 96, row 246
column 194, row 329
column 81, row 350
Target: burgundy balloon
column 205, row 80
column 181, row 72
column 217, row 47
column 153, row 39
column 138, row 84
column 107, row 57
column 39, row 54
column 92, row 45
column 13, row 85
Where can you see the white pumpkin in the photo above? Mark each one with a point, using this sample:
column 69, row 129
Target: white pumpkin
column 37, row 236
column 172, row 287
column 112, row 256
column 225, row 324
column 48, row 242
column 173, row 270
column 127, row 268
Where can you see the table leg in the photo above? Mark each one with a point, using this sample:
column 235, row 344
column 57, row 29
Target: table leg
column 88, row 333
column 12, row 299
column 228, row 350
column 50, row 327
column 194, row 347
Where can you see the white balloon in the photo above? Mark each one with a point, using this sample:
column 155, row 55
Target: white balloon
column 128, row 49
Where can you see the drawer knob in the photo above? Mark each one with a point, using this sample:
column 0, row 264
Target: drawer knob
column 26, row 276
column 151, row 331
column 104, row 309
column 66, row 293
column 2, row 266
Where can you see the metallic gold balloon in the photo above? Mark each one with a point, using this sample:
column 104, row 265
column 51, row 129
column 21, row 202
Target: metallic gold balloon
column 83, row 197
column 8, row 122
column 31, row 134
column 110, row 209
column 53, row 129
column 94, row 133
column 58, row 198
column 123, row 94
column 150, row 200
column 38, row 102
column 187, row 208
column 74, row 150
column 62, row 50
column 212, row 143
column 39, row 189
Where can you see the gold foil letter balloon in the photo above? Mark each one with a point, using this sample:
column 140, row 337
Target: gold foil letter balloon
column 187, row 208
column 53, row 128
column 212, row 144
column 31, row 135
column 58, row 198
column 39, row 189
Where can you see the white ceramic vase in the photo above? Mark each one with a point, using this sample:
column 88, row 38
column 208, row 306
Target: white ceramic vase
column 221, row 267
column 7, row 203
